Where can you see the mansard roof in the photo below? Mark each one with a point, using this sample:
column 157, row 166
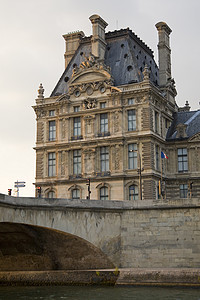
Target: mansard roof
column 190, row 120
column 126, row 55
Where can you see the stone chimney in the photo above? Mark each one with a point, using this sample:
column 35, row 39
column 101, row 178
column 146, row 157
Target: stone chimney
column 185, row 108
column 98, row 36
column 72, row 40
column 164, row 53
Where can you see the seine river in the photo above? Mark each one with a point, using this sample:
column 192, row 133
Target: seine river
column 97, row 293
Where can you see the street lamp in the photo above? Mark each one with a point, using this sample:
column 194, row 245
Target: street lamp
column 89, row 191
column 139, row 170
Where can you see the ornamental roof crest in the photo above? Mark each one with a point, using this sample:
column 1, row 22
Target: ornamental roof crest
column 90, row 70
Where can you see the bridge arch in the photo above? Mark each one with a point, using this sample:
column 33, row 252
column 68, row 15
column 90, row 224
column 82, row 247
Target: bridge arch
column 29, row 248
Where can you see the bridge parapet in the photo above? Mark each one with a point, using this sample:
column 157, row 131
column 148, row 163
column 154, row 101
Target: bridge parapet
column 96, row 204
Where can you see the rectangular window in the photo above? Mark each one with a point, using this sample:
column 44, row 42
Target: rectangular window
column 183, row 190
column 131, row 120
column 133, row 192
column 103, row 123
column 102, row 104
column 104, row 193
column 76, row 108
column 182, row 160
column 132, row 156
column 75, row 194
column 157, row 157
column 51, row 113
column 52, row 130
column 77, row 126
column 51, row 194
column 166, row 123
column 156, row 122
column 158, row 190
column 51, row 164
column 77, row 162
column 131, row 101
column 104, row 159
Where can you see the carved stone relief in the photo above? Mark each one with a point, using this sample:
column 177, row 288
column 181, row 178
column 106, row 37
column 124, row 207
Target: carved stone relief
column 89, row 124
column 63, row 128
column 89, row 155
column 90, row 103
column 62, row 163
column 116, row 120
column 116, row 155
column 40, row 112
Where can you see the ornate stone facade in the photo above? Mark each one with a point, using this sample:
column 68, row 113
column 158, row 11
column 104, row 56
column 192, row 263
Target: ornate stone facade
column 104, row 126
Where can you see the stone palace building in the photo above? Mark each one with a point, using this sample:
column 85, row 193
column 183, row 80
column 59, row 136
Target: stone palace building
column 101, row 132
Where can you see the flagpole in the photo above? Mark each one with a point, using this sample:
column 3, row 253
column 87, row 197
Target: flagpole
column 165, row 177
column 161, row 174
column 163, row 156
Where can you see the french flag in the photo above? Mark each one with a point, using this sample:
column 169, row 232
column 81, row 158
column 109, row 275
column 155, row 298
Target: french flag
column 163, row 155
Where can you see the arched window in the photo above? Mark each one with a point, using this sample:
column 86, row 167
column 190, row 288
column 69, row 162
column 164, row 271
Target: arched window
column 104, row 193
column 75, row 194
column 51, row 194
column 133, row 192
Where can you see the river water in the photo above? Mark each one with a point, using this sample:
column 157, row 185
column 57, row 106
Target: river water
column 97, row 293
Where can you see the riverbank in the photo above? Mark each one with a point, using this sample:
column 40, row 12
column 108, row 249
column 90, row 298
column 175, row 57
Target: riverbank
column 121, row 277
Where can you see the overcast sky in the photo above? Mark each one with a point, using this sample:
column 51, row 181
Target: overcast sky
column 32, row 50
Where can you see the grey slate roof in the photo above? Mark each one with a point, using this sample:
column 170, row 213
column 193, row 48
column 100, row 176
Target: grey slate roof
column 125, row 54
column 190, row 118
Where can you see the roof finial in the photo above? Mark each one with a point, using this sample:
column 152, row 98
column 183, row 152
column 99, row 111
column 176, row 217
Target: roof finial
column 41, row 92
column 146, row 73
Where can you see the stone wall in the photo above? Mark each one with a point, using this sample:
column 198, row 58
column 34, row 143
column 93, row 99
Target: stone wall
column 161, row 238
column 140, row 234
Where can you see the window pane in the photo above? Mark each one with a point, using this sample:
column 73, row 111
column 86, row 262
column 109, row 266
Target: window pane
column 52, row 164
column 102, row 104
column 76, row 108
column 104, row 193
column 157, row 157
column 104, row 159
column 131, row 120
column 103, row 123
column 77, row 162
column 77, row 126
column 52, row 130
column 182, row 160
column 51, row 194
column 51, row 113
column 133, row 192
column 76, row 194
column 132, row 156
column 183, row 190
column 156, row 121
column 131, row 101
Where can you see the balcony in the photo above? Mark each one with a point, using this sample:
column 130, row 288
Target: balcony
column 102, row 134
column 76, row 137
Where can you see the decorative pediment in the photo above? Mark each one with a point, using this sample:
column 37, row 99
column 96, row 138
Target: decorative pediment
column 92, row 74
column 195, row 138
column 63, row 97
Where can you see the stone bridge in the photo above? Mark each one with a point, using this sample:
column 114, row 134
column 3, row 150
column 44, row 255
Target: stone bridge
column 52, row 234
